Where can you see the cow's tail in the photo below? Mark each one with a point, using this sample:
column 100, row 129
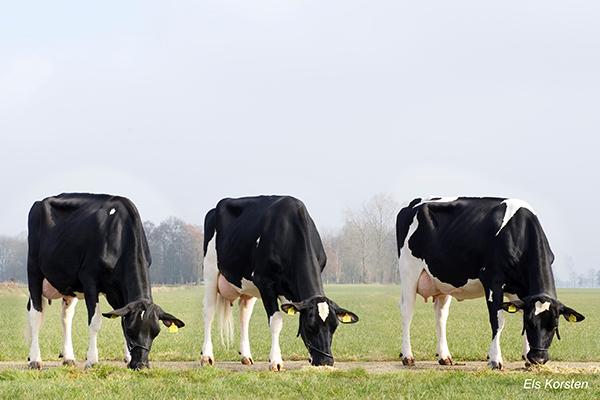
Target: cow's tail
column 212, row 298
column 27, row 329
column 403, row 222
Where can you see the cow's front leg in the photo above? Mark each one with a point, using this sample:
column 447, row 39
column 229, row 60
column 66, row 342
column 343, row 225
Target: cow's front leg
column 442, row 309
column 494, row 298
column 275, row 325
column 246, row 307
column 67, row 313
column 126, row 352
column 94, row 324
column 525, row 349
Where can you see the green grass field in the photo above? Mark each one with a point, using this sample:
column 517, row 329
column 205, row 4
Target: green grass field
column 375, row 338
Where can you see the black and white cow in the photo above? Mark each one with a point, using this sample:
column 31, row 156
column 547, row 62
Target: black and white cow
column 465, row 248
column 84, row 245
column 267, row 247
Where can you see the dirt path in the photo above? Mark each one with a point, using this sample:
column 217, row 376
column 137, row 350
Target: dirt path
column 369, row 366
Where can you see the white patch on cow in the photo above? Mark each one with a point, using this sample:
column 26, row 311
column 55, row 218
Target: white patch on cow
column 495, row 352
column 249, row 288
column 142, row 314
column 434, row 200
column 112, row 211
column 35, row 323
column 410, row 269
column 512, row 206
column 211, row 274
column 275, row 325
column 95, row 324
column 541, row 307
column 126, row 353
column 490, row 298
column 246, row 307
column 67, row 313
column 442, row 309
column 79, row 295
column 323, row 310
column 257, row 241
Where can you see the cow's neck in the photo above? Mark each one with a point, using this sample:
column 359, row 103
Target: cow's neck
column 308, row 285
column 136, row 285
column 540, row 279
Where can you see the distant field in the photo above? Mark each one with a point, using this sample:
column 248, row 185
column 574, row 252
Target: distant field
column 375, row 338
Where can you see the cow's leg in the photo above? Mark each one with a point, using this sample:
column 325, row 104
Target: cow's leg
column 246, row 307
column 442, row 309
column 210, row 304
column 409, row 280
column 494, row 297
column 94, row 324
column 275, row 325
column 525, row 350
column 126, row 353
column 67, row 313
column 35, row 313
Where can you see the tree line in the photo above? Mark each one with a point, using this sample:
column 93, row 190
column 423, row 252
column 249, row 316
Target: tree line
column 363, row 250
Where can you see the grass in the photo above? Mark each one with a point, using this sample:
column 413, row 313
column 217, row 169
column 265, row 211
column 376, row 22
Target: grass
column 375, row 337
column 114, row 382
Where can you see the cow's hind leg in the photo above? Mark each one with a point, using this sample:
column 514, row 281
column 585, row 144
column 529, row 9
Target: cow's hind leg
column 211, row 275
column 409, row 276
column 94, row 324
column 35, row 314
column 67, row 313
column 246, row 307
column 442, row 309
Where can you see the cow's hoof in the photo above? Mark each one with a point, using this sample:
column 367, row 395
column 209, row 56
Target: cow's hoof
column 89, row 364
column 408, row 361
column 207, row 360
column 35, row 365
column 276, row 367
column 69, row 363
column 247, row 361
column 446, row 361
column 527, row 363
column 495, row 365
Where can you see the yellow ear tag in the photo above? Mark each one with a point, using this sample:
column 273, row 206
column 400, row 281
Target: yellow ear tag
column 346, row 318
column 512, row 308
column 291, row 311
column 572, row 318
column 173, row 328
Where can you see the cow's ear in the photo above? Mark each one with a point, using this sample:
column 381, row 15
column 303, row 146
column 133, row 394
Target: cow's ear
column 119, row 312
column 512, row 306
column 291, row 308
column 345, row 316
column 169, row 320
column 570, row 314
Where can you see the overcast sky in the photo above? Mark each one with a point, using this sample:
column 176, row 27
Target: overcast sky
column 178, row 104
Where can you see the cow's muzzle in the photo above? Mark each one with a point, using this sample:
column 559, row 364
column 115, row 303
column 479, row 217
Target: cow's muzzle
column 538, row 356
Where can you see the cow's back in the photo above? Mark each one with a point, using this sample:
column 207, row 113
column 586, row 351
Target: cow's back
column 262, row 227
column 69, row 231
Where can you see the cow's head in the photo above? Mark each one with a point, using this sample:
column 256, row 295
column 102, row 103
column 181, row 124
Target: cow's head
column 140, row 321
column 319, row 318
column 540, row 322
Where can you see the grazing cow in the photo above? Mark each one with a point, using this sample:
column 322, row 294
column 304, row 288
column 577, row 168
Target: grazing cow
column 83, row 245
column 473, row 247
column 267, row 247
